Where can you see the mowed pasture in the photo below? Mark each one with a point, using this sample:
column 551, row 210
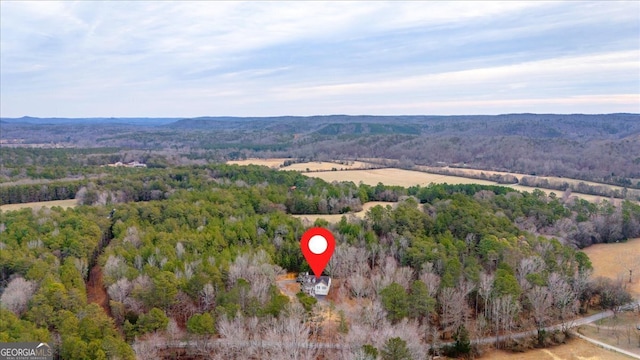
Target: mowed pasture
column 36, row 205
column 615, row 259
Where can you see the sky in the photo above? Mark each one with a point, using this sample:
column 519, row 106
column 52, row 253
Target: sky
column 188, row 59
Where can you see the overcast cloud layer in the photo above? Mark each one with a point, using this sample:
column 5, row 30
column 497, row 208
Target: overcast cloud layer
column 173, row 59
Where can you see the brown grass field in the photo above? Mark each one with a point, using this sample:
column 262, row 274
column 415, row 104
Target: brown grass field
column 518, row 176
column 36, row 205
column 392, row 176
column 276, row 163
column 406, row 178
column 619, row 331
column 612, row 260
column 575, row 349
column 272, row 163
column 327, row 166
column 364, row 171
column 334, row 218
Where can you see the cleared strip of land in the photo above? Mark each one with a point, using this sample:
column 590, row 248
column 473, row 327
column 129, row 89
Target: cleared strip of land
column 392, row 176
column 36, row 205
column 272, row 163
column 277, row 163
column 334, row 218
column 407, row 178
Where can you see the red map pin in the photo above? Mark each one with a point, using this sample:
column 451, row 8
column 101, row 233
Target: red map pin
column 317, row 246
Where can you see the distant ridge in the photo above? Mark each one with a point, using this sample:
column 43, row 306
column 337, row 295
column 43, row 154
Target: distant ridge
column 85, row 121
column 526, row 124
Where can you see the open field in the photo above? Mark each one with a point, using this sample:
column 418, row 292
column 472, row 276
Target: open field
column 406, row 178
column 392, row 176
column 35, row 205
column 334, row 218
column 276, row 163
column 328, row 166
column 612, row 260
column 618, row 331
column 476, row 172
column 575, row 349
column 591, row 198
column 366, row 172
column 272, row 163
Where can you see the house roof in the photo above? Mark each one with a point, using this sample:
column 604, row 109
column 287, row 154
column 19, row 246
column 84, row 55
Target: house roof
column 324, row 279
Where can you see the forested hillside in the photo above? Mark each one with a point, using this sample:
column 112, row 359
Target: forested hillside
column 193, row 254
column 602, row 148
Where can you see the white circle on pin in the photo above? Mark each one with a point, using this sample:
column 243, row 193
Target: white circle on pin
column 318, row 244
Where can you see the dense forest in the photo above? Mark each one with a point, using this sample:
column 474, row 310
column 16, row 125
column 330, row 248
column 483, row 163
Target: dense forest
column 601, row 148
column 190, row 258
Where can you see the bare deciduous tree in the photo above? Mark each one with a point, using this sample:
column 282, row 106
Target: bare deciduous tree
column 207, row 297
column 541, row 300
column 484, row 290
column 150, row 347
column 565, row 301
column 454, row 308
column 530, row 265
column 630, row 262
column 359, row 285
column 430, row 279
column 288, row 336
column 17, row 295
column 503, row 312
column 119, row 290
column 257, row 270
column 132, row 237
column 115, row 268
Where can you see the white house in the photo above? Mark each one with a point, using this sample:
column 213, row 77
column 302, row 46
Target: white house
column 314, row 286
column 322, row 285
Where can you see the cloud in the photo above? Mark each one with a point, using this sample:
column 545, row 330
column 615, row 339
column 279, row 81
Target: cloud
column 271, row 58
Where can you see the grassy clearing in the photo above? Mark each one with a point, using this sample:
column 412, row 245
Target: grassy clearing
column 276, row 163
column 620, row 332
column 406, row 178
column 613, row 260
column 272, row 163
column 328, row 166
column 334, row 218
column 364, row 171
column 574, row 349
column 36, row 205
column 392, row 176
column 476, row 172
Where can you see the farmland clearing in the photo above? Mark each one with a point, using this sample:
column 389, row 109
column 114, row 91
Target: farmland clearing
column 278, row 163
column 371, row 174
column 273, row 163
column 37, row 205
column 615, row 259
column 619, row 331
column 407, row 178
column 334, row 218
column 577, row 349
